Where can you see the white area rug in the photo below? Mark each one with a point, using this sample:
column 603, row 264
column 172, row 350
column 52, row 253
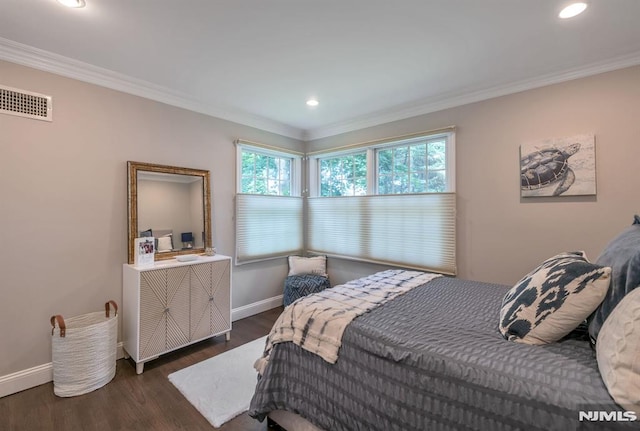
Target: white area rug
column 221, row 387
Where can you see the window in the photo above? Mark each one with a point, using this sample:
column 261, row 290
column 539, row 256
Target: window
column 420, row 164
column 344, row 175
column 265, row 174
column 269, row 217
column 388, row 202
column 410, row 230
column 414, row 167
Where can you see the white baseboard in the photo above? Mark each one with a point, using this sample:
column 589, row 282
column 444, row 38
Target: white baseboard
column 32, row 377
column 25, row 379
column 256, row 307
column 41, row 374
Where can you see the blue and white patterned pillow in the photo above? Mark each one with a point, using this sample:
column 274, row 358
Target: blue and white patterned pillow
column 553, row 299
column 297, row 286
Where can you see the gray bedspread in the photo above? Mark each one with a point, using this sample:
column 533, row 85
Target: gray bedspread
column 433, row 359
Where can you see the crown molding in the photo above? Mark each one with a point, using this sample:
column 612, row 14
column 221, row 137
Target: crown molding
column 453, row 100
column 49, row 62
column 26, row 55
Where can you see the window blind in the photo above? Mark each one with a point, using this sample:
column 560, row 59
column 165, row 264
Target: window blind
column 267, row 226
column 408, row 230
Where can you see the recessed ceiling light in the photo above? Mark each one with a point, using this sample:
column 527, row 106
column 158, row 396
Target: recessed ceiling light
column 572, row 10
column 72, row 3
column 312, row 102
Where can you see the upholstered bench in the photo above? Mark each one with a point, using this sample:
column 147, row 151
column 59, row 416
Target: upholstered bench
column 307, row 275
column 297, row 286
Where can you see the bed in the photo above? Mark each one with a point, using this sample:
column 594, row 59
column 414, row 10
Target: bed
column 433, row 358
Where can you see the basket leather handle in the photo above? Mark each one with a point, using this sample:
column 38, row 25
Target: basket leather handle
column 107, row 309
column 63, row 328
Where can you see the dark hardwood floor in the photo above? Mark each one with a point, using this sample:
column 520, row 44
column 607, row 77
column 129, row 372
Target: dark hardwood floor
column 130, row 401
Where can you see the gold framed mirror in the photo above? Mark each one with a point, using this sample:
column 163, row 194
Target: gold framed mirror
column 170, row 204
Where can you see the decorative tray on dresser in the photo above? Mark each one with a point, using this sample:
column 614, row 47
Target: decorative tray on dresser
column 173, row 304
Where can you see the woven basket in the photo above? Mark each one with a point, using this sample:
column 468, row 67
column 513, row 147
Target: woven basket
column 84, row 351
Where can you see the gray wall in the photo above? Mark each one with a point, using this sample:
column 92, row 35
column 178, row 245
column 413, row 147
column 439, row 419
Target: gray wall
column 64, row 202
column 501, row 236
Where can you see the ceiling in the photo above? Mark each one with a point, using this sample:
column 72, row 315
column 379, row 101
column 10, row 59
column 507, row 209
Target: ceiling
column 368, row 62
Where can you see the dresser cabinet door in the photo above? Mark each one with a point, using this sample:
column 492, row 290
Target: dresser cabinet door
column 164, row 310
column 210, row 299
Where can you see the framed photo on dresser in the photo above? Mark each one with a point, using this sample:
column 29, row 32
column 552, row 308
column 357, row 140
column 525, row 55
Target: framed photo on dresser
column 144, row 251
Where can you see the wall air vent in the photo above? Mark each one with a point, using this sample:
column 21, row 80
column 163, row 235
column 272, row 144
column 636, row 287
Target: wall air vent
column 25, row 104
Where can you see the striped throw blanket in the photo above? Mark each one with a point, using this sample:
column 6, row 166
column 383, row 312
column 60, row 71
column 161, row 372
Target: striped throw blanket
column 316, row 322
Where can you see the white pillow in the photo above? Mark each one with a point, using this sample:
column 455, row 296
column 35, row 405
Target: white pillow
column 316, row 265
column 618, row 352
column 165, row 243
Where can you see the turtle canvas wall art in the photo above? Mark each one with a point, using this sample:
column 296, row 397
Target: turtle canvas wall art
column 558, row 167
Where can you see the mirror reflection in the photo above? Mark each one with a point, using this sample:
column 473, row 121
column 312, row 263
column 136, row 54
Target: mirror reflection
column 170, row 209
column 171, row 205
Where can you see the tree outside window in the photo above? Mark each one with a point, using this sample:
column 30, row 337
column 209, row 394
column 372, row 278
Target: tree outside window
column 413, row 168
column 266, row 175
column 344, row 175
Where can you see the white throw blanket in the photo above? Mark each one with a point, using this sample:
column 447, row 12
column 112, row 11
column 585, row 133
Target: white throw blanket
column 316, row 322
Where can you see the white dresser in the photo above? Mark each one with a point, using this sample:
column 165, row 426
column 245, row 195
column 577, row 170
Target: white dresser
column 173, row 304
